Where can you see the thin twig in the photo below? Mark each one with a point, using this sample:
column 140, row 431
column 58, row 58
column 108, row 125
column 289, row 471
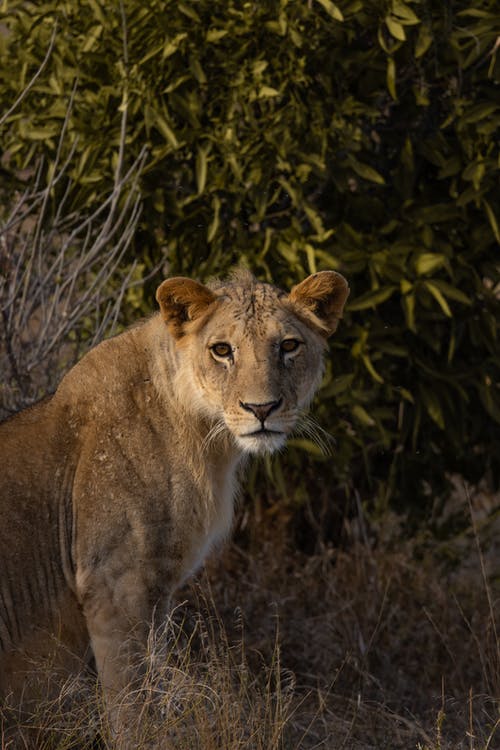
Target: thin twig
column 24, row 93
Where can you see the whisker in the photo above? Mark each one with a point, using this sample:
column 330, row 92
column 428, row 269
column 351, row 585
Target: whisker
column 210, row 436
column 217, row 429
column 308, row 426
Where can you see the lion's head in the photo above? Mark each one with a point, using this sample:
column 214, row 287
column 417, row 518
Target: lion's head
column 251, row 353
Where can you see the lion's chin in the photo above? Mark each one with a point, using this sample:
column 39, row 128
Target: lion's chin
column 263, row 441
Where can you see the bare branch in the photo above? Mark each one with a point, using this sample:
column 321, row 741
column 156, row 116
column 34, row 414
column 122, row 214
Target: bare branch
column 63, row 274
column 37, row 75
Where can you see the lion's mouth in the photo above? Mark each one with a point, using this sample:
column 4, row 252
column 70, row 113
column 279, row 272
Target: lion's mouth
column 262, row 432
column 260, row 441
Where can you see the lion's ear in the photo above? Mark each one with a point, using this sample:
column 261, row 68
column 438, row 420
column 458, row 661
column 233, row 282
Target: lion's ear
column 321, row 297
column 182, row 300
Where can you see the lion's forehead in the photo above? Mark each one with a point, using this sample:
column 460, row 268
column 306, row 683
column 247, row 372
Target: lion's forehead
column 258, row 314
column 251, row 296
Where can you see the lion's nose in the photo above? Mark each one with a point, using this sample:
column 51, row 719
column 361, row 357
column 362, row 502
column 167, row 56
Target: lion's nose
column 262, row 411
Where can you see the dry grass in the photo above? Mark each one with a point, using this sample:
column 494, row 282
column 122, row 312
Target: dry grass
column 380, row 646
column 391, row 647
column 198, row 691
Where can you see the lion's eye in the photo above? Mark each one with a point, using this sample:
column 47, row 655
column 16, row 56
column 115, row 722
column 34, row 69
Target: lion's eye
column 221, row 349
column 289, row 345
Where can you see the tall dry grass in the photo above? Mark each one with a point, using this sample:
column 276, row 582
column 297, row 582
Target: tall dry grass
column 392, row 644
column 197, row 691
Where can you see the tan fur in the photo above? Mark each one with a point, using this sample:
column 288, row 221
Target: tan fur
column 114, row 489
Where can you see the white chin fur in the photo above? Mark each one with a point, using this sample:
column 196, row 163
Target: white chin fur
column 262, row 444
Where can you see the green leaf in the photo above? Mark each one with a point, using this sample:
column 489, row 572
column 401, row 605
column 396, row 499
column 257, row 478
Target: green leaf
column 332, row 9
column 406, row 395
column 395, row 28
column 404, row 13
column 197, row 70
column 173, row 45
column 393, row 349
column 360, row 413
column 372, row 298
column 201, row 168
column 311, row 258
column 41, row 133
column 432, row 406
column 492, row 220
column 152, row 53
column 405, row 286
column 478, row 112
column 213, row 35
column 452, row 292
column 475, row 173
column 306, row 445
column 409, row 310
column 391, row 78
column 365, row 171
column 166, row 131
column 475, row 12
column 214, row 224
column 189, row 11
column 436, row 293
column 93, row 35
column 266, row 92
column 428, row 262
column 315, row 220
column 369, row 366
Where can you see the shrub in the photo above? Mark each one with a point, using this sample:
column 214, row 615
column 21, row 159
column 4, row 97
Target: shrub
column 293, row 136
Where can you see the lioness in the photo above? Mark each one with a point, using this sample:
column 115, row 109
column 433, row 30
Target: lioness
column 114, row 489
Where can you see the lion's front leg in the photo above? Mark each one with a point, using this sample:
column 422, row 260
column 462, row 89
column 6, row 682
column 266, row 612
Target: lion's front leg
column 122, row 612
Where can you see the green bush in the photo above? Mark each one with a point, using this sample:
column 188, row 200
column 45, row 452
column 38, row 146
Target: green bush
column 360, row 135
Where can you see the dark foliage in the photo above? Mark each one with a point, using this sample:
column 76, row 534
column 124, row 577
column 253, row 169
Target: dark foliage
column 291, row 136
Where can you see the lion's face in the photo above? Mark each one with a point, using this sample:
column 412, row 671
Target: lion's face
column 249, row 354
column 255, row 370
